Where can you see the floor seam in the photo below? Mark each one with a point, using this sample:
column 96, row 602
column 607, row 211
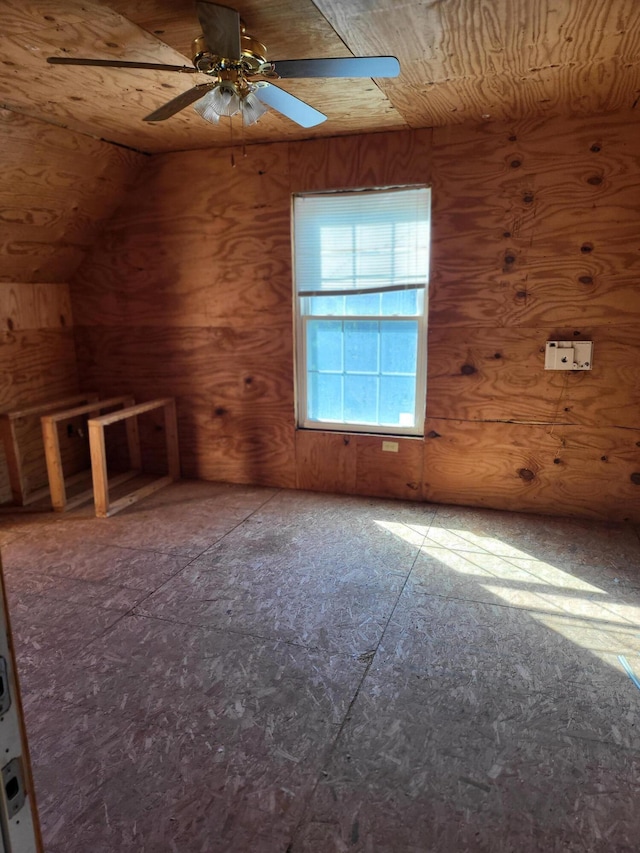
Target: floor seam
column 199, row 627
column 333, row 745
column 181, row 569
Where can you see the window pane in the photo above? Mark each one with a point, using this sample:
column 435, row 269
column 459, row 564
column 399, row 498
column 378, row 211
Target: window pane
column 325, row 396
column 324, row 348
column 396, row 302
column 363, row 303
column 399, row 347
column 361, row 347
column 374, row 383
column 326, row 305
column 361, row 399
column 400, row 302
column 397, row 400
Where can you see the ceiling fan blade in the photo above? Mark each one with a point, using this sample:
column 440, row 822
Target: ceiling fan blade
column 289, row 105
column 119, row 63
column 351, row 66
column 221, row 29
column 174, row 106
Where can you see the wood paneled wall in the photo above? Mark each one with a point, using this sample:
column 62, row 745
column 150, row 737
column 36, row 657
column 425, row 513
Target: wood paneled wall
column 55, row 189
column 536, row 236
column 188, row 295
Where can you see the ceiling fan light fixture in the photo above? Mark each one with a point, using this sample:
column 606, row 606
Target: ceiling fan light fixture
column 206, row 110
column 224, row 99
column 252, row 109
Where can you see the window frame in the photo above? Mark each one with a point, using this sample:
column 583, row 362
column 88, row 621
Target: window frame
column 300, row 322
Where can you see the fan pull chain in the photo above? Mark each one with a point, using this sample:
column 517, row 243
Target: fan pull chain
column 233, row 159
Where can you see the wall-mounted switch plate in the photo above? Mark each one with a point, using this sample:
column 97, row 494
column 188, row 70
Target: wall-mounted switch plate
column 568, row 355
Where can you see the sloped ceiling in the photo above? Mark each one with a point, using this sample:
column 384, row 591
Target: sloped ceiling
column 462, row 60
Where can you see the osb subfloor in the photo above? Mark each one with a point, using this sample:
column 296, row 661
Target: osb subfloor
column 228, row 668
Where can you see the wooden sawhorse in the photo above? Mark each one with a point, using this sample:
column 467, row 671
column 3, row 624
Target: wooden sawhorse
column 57, row 483
column 17, row 480
column 104, row 507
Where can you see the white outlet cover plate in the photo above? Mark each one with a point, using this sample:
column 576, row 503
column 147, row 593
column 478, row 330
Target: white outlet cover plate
column 568, row 355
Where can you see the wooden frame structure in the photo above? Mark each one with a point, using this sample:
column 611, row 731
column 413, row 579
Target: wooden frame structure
column 17, row 480
column 50, row 435
column 99, row 458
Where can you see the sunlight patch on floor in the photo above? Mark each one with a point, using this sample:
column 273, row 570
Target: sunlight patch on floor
column 412, row 533
column 579, row 611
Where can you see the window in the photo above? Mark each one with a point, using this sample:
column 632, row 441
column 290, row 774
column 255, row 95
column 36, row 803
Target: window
column 361, row 264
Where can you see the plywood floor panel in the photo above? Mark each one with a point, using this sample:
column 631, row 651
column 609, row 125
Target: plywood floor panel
column 275, row 670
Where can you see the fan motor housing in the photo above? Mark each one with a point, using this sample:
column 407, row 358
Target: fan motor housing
column 254, row 55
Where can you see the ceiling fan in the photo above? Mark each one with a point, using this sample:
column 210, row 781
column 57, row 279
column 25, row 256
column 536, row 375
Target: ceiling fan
column 241, row 74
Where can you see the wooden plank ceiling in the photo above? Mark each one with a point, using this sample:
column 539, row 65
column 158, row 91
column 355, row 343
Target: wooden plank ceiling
column 462, row 60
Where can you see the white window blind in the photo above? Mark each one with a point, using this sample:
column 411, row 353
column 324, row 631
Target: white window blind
column 361, row 242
